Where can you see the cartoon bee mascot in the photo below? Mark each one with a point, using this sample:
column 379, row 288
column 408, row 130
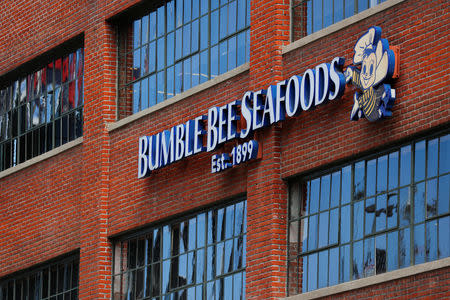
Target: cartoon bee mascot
column 373, row 63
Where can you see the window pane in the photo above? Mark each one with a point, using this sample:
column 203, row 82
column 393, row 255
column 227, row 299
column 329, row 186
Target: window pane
column 432, row 158
column 335, row 189
column 419, row 203
column 380, row 254
column 382, row 173
column 405, row 165
column 419, row 161
column 312, row 238
column 392, row 251
column 359, row 181
column 358, row 264
column 312, row 272
column 431, row 198
column 404, row 247
column 322, row 271
column 381, row 213
column 345, row 224
column 369, row 257
column 334, row 226
column 223, row 51
column 325, row 192
column 358, row 220
column 346, row 184
column 393, row 170
column 431, row 241
column 444, row 194
column 444, row 154
column 371, row 211
column 323, row 229
column 419, row 244
column 444, row 237
column 391, row 210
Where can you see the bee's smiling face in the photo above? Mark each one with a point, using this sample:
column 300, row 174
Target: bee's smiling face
column 368, row 70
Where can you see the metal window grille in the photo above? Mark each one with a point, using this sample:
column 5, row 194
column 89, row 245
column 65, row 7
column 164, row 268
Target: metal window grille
column 55, row 280
column 201, row 256
column 382, row 213
column 308, row 16
column 179, row 45
column 42, row 110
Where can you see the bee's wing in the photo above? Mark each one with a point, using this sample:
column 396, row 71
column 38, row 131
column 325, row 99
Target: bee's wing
column 382, row 67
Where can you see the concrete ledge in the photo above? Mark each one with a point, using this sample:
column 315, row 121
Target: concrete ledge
column 340, row 25
column 196, row 89
column 381, row 278
column 41, row 157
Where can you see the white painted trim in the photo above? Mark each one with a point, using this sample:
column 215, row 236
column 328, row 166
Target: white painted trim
column 196, row 89
column 381, row 278
column 339, row 25
column 41, row 157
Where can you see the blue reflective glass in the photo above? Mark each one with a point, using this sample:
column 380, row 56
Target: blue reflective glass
column 335, row 189
column 223, row 50
column 152, row 90
column 232, row 53
column 187, row 39
column 370, row 212
column 144, row 60
column 371, row 177
column 444, row 194
column 170, row 48
column 431, row 241
column 405, row 206
column 214, row 27
column 323, row 229
column 393, row 170
column 323, row 269
column 170, row 16
column 315, row 196
column 187, row 74
column 195, row 33
column 239, row 211
column 161, row 20
column 144, row 94
column 247, row 19
column 346, row 184
column 432, row 200
column 179, row 12
column 404, row 248
column 178, row 43
column 182, row 266
column 160, row 86
column 338, row 10
column 161, row 53
column 419, row 203
column 240, row 48
column 380, row 254
column 333, row 271
column 369, row 257
column 362, row 5
column 382, row 174
column 210, row 263
column 195, row 70
column 358, row 262
column 334, row 226
column 419, row 244
column 444, row 154
column 137, row 64
column 349, row 9
column 136, row 97
column 312, row 272
column 432, row 158
column 309, row 17
column 170, row 82
column 344, row 263
column 210, row 291
column 229, row 221
column 304, row 233
column 228, row 287
column 345, row 224
column 219, row 258
column 214, row 58
column 204, row 7
column 325, row 192
column 223, row 22
column 381, row 213
column 359, row 180
column 358, row 220
column 136, row 33
column 391, row 210
column 405, row 165
column 244, row 246
column 241, row 14
column 247, row 46
column 166, row 273
column 187, row 11
column 178, row 77
column 227, row 259
column 144, row 29
column 392, row 251
column 419, row 161
column 312, row 237
column 220, row 224
column 152, row 30
column 444, row 237
column 328, row 13
column 232, row 17
column 204, row 32
column 152, row 57
column 317, row 15
column 201, row 230
column 204, row 66
column 200, row 265
column 237, row 286
column 305, row 274
column 238, row 252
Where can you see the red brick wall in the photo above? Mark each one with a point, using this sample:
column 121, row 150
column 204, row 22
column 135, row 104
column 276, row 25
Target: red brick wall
column 79, row 198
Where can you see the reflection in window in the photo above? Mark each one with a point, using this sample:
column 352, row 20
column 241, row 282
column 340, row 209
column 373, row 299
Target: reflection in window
column 312, row 15
column 200, row 257
column 398, row 216
column 179, row 45
column 42, row 110
column 57, row 280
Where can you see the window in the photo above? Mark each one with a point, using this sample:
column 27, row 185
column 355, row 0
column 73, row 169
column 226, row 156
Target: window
column 309, row 16
column 375, row 215
column 202, row 256
column 56, row 280
column 179, row 45
column 42, row 110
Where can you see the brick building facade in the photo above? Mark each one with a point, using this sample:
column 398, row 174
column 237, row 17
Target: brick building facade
column 83, row 198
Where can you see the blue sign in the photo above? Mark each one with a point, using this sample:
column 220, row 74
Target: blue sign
column 373, row 63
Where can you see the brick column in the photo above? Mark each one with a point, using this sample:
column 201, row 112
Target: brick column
column 266, row 192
